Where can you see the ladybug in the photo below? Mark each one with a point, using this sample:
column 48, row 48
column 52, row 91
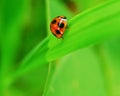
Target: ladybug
column 58, row 26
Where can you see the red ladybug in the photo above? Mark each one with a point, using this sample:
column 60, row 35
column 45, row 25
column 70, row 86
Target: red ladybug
column 58, row 26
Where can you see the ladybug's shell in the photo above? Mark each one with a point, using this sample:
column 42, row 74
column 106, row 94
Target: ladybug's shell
column 58, row 26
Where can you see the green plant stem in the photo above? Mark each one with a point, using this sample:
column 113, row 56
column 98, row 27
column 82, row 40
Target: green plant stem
column 47, row 80
column 47, row 3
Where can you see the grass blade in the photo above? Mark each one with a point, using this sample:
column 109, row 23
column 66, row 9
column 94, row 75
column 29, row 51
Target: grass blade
column 88, row 28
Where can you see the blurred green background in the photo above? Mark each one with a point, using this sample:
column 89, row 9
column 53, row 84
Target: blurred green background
column 90, row 71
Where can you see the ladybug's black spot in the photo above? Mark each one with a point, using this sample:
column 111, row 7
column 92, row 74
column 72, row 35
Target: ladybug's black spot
column 61, row 25
column 54, row 21
column 57, row 32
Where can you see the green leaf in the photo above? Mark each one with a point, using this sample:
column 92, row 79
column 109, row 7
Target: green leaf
column 111, row 49
column 85, row 4
column 36, row 29
column 78, row 74
column 34, row 81
column 13, row 17
column 88, row 28
column 34, row 59
column 13, row 13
